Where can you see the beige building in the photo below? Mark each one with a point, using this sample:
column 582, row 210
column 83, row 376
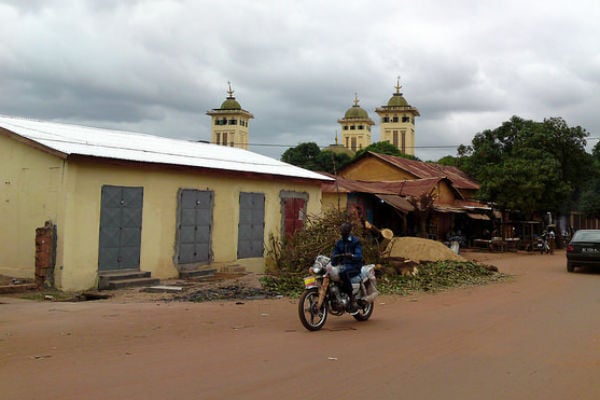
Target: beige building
column 356, row 127
column 397, row 122
column 230, row 123
column 123, row 201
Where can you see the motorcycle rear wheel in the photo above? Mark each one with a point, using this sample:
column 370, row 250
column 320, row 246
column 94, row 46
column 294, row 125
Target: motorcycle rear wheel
column 312, row 318
column 364, row 311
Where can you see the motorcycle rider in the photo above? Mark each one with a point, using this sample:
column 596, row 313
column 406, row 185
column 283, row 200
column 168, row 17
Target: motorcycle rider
column 348, row 253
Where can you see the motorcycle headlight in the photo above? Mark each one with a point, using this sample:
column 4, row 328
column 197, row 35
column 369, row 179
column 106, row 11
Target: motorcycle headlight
column 317, row 268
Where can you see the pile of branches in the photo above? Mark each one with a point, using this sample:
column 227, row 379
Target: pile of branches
column 439, row 275
column 294, row 255
column 431, row 277
column 298, row 252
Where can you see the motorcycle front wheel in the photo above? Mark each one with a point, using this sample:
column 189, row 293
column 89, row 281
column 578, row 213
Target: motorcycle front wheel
column 312, row 318
column 364, row 311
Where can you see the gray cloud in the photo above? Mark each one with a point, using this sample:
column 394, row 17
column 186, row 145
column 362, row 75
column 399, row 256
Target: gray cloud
column 157, row 66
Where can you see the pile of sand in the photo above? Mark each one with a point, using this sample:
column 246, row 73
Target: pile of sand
column 420, row 250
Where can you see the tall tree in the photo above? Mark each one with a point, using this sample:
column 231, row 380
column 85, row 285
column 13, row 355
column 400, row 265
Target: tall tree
column 528, row 166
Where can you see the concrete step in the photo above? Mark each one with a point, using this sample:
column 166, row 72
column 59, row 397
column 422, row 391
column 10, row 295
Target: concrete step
column 197, row 273
column 122, row 279
column 135, row 282
column 234, row 269
column 17, row 288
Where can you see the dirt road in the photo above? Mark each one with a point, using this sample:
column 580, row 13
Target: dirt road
column 534, row 337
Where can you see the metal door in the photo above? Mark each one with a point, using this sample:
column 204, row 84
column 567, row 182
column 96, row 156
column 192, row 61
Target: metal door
column 294, row 210
column 251, row 229
column 120, row 228
column 194, row 227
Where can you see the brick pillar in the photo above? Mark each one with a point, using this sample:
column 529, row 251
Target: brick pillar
column 45, row 254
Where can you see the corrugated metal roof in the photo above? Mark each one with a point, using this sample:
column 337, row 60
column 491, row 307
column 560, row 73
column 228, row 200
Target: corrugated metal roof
column 398, row 202
column 415, row 188
column 420, row 169
column 395, row 192
column 344, row 185
column 97, row 142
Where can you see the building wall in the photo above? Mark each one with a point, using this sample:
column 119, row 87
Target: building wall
column 30, row 195
column 397, row 126
column 371, row 169
column 334, row 201
column 356, row 135
column 42, row 187
column 445, row 193
column 159, row 217
column 237, row 134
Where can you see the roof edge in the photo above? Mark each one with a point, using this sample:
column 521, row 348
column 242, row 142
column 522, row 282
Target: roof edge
column 32, row 143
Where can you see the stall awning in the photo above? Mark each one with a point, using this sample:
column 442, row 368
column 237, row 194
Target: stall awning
column 482, row 217
column 448, row 209
column 398, row 202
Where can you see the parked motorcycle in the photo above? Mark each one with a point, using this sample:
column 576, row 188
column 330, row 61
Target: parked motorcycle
column 323, row 294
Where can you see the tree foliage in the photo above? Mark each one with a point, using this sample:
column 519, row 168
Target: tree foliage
column 309, row 155
column 298, row 252
column 450, row 161
column 384, row 148
column 304, row 155
column 329, row 161
column 528, row 166
column 589, row 201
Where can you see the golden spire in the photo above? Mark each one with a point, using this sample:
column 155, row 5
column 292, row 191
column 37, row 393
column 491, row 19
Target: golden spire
column 356, row 99
column 398, row 87
column 230, row 91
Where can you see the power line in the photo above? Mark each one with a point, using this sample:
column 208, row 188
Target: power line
column 288, row 146
column 410, row 147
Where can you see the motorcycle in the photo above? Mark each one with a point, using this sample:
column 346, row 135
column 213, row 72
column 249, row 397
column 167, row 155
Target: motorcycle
column 323, row 294
column 542, row 244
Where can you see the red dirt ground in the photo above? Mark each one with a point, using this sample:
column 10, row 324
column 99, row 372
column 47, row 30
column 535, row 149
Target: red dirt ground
column 535, row 336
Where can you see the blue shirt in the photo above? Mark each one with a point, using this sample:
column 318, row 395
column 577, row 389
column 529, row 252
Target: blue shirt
column 349, row 245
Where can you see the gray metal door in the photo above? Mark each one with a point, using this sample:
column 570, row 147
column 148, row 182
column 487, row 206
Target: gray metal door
column 251, row 229
column 194, row 226
column 120, row 228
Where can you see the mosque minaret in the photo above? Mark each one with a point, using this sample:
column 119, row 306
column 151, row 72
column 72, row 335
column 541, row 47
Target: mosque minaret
column 397, row 122
column 230, row 123
column 356, row 127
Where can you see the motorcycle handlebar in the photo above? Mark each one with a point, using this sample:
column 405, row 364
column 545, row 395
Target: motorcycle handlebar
column 343, row 255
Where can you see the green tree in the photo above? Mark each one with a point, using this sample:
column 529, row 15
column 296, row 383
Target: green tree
column 450, row 161
column 331, row 162
column 589, row 201
column 383, row 148
column 304, row 155
column 309, row 155
column 528, row 166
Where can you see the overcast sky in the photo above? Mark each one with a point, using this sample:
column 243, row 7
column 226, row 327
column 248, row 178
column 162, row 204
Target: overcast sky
column 157, row 66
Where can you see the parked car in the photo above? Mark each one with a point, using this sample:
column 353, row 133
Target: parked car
column 584, row 249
